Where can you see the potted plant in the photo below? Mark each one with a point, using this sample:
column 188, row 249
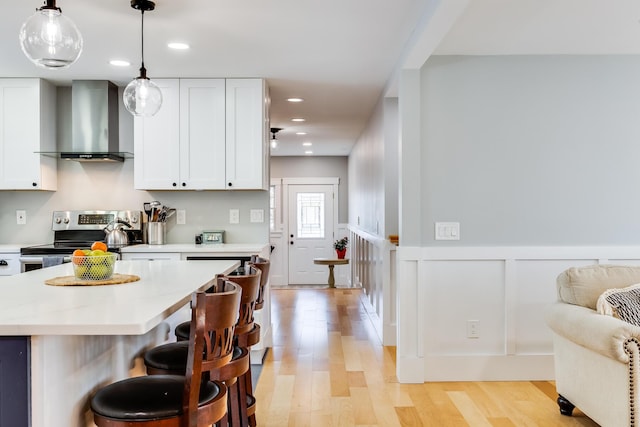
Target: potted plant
column 340, row 246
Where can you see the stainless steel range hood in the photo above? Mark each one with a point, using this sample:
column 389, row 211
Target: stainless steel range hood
column 94, row 122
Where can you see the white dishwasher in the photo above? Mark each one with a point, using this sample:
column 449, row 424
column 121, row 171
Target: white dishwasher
column 9, row 260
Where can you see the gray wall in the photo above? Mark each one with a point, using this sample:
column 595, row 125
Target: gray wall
column 312, row 167
column 110, row 186
column 531, row 150
column 373, row 173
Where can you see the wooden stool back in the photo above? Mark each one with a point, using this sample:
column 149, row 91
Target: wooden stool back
column 212, row 326
column 263, row 265
column 250, row 284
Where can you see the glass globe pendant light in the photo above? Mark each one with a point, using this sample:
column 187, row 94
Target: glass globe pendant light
column 50, row 39
column 142, row 97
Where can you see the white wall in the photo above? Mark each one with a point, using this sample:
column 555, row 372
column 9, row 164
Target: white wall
column 110, row 186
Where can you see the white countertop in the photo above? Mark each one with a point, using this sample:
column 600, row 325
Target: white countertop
column 223, row 248
column 30, row 307
column 10, row 249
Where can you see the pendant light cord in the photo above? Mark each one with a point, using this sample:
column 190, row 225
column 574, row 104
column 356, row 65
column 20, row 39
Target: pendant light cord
column 143, row 71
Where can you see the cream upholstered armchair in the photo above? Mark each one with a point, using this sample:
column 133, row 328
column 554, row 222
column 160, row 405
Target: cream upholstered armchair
column 597, row 355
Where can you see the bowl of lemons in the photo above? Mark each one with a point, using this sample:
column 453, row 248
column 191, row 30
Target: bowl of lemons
column 93, row 264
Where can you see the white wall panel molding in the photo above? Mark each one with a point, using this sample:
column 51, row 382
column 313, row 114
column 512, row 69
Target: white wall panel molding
column 373, row 269
column 410, row 364
column 504, row 289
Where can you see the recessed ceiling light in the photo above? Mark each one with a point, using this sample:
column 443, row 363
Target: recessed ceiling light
column 119, row 63
column 301, row 133
column 308, row 152
column 297, row 120
column 178, row 46
column 307, row 144
column 295, row 99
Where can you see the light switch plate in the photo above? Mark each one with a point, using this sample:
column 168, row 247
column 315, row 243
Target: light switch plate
column 181, row 217
column 257, row 215
column 234, row 216
column 447, row 231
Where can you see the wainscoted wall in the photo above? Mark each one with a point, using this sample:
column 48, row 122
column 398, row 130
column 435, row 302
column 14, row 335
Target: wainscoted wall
column 505, row 289
column 373, row 265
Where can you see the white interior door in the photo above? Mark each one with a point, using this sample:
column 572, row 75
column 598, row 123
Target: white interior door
column 310, row 233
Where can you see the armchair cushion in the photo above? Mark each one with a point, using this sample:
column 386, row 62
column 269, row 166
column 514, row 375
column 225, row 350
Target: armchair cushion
column 584, row 285
column 623, row 303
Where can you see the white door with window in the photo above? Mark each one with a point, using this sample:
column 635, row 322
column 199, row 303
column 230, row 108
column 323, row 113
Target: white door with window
column 310, row 232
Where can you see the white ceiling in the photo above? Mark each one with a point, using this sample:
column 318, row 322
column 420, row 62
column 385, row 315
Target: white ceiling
column 336, row 54
column 554, row 27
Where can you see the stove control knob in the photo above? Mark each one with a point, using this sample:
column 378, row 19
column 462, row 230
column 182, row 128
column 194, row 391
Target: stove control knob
column 57, row 220
column 134, row 219
column 66, row 220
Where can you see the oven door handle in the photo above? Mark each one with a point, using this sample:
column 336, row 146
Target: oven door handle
column 40, row 259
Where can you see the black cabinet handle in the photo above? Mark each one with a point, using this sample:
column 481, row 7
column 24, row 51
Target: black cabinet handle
column 174, row 184
column 34, row 184
column 184, row 184
column 291, row 242
column 3, row 263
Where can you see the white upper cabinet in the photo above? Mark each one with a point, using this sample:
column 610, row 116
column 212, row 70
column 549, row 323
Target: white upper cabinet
column 247, row 135
column 202, row 135
column 27, row 127
column 156, row 142
column 209, row 134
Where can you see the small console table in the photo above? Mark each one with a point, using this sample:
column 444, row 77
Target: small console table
column 331, row 263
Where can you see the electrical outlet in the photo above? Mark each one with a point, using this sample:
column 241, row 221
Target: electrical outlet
column 257, row 215
column 21, row 217
column 181, row 217
column 473, row 329
column 234, row 216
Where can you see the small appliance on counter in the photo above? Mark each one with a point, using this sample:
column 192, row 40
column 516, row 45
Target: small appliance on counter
column 211, row 237
column 78, row 230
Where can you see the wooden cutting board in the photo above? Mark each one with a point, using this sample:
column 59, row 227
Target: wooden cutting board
column 74, row 281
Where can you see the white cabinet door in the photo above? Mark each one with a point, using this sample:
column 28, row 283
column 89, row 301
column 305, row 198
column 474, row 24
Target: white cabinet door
column 247, row 135
column 202, row 134
column 156, row 142
column 210, row 134
column 27, row 127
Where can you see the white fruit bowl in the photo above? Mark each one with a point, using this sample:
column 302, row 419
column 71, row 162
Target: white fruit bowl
column 99, row 267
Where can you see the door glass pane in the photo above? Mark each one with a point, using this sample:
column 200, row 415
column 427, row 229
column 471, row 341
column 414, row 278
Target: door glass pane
column 310, row 207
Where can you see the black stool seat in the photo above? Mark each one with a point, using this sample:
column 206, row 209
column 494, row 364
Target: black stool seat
column 172, row 358
column 147, row 398
column 182, row 331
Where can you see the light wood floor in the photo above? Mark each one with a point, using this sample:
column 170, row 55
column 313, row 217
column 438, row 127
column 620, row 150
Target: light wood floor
column 327, row 368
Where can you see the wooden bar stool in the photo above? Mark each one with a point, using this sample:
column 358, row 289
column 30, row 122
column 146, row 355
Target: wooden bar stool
column 179, row 400
column 263, row 265
column 170, row 357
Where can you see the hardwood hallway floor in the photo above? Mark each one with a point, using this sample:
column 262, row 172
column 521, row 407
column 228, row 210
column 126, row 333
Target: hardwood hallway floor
column 327, row 368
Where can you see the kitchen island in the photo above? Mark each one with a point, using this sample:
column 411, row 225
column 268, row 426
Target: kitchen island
column 241, row 252
column 65, row 342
